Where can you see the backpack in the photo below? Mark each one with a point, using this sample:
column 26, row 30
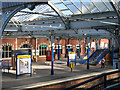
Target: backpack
column 103, row 61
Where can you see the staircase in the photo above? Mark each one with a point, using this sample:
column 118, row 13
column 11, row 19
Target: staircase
column 97, row 56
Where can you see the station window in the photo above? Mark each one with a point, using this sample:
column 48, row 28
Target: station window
column 56, row 49
column 43, row 50
column 6, row 51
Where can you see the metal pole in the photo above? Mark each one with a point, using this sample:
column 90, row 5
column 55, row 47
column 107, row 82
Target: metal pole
column 88, row 41
column 79, row 48
column 52, row 63
column 68, row 62
column 96, row 44
column 75, row 60
column 88, row 58
column 113, row 55
column 58, row 50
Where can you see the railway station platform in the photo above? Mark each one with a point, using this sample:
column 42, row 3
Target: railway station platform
column 42, row 77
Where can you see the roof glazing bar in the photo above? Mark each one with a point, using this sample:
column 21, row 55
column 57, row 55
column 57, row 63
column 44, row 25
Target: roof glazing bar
column 85, row 6
column 39, row 13
column 75, row 6
column 67, row 6
column 95, row 6
column 105, row 5
column 58, row 3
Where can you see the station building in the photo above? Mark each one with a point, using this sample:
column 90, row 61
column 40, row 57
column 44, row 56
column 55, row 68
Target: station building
column 40, row 46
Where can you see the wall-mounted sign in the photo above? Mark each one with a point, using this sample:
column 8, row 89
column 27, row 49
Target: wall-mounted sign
column 33, row 52
column 44, row 46
column 37, row 52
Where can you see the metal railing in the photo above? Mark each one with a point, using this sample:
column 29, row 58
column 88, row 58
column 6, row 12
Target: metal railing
column 101, row 85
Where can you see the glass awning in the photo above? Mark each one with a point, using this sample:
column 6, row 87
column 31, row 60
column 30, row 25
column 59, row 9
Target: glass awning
column 65, row 8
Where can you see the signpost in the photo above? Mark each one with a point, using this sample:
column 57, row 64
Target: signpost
column 23, row 64
column 72, row 65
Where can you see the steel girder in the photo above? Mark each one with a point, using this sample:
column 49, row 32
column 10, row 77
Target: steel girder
column 117, row 10
column 86, row 21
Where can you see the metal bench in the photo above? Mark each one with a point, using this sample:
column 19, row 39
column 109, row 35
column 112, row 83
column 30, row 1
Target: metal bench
column 5, row 65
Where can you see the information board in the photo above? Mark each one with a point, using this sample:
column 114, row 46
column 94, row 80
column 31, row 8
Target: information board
column 23, row 64
column 72, row 55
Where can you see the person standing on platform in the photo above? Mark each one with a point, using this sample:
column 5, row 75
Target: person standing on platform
column 103, row 63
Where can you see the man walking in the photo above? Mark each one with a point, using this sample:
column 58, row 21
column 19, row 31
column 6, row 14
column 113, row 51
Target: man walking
column 103, row 63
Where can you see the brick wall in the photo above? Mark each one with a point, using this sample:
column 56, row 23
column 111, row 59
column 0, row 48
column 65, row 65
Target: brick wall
column 42, row 41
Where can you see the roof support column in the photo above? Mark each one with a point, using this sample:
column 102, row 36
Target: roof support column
column 52, row 47
column 88, row 41
column 112, row 44
column 58, row 49
column 96, row 43
column 36, row 48
column 79, row 47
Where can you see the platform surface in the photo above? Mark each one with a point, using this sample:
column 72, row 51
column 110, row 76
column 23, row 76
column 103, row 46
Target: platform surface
column 42, row 74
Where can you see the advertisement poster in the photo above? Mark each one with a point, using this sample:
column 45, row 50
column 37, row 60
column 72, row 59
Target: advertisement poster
column 72, row 55
column 23, row 64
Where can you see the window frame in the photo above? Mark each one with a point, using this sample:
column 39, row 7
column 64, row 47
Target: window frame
column 43, row 50
column 6, row 51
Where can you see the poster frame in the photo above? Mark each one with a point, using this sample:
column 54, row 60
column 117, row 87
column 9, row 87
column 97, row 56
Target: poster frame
column 26, row 53
column 70, row 60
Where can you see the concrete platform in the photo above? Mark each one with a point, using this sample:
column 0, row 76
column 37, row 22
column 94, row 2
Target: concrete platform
column 42, row 75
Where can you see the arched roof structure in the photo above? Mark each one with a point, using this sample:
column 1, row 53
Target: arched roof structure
column 75, row 19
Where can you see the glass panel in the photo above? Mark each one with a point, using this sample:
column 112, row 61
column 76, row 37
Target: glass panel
column 100, row 5
column 55, row 1
column 10, row 48
column 10, row 54
column 40, row 51
column 61, row 6
column 74, row 9
column 78, row 4
column 67, row 2
column 6, row 48
column 90, row 6
column 6, row 54
column 2, row 54
column 3, row 48
column 61, row 51
column 67, row 12
column 45, row 50
column 108, row 4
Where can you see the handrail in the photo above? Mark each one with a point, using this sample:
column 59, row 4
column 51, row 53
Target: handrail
column 104, row 74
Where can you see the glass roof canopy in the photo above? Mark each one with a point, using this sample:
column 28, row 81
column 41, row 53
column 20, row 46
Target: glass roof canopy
column 65, row 8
